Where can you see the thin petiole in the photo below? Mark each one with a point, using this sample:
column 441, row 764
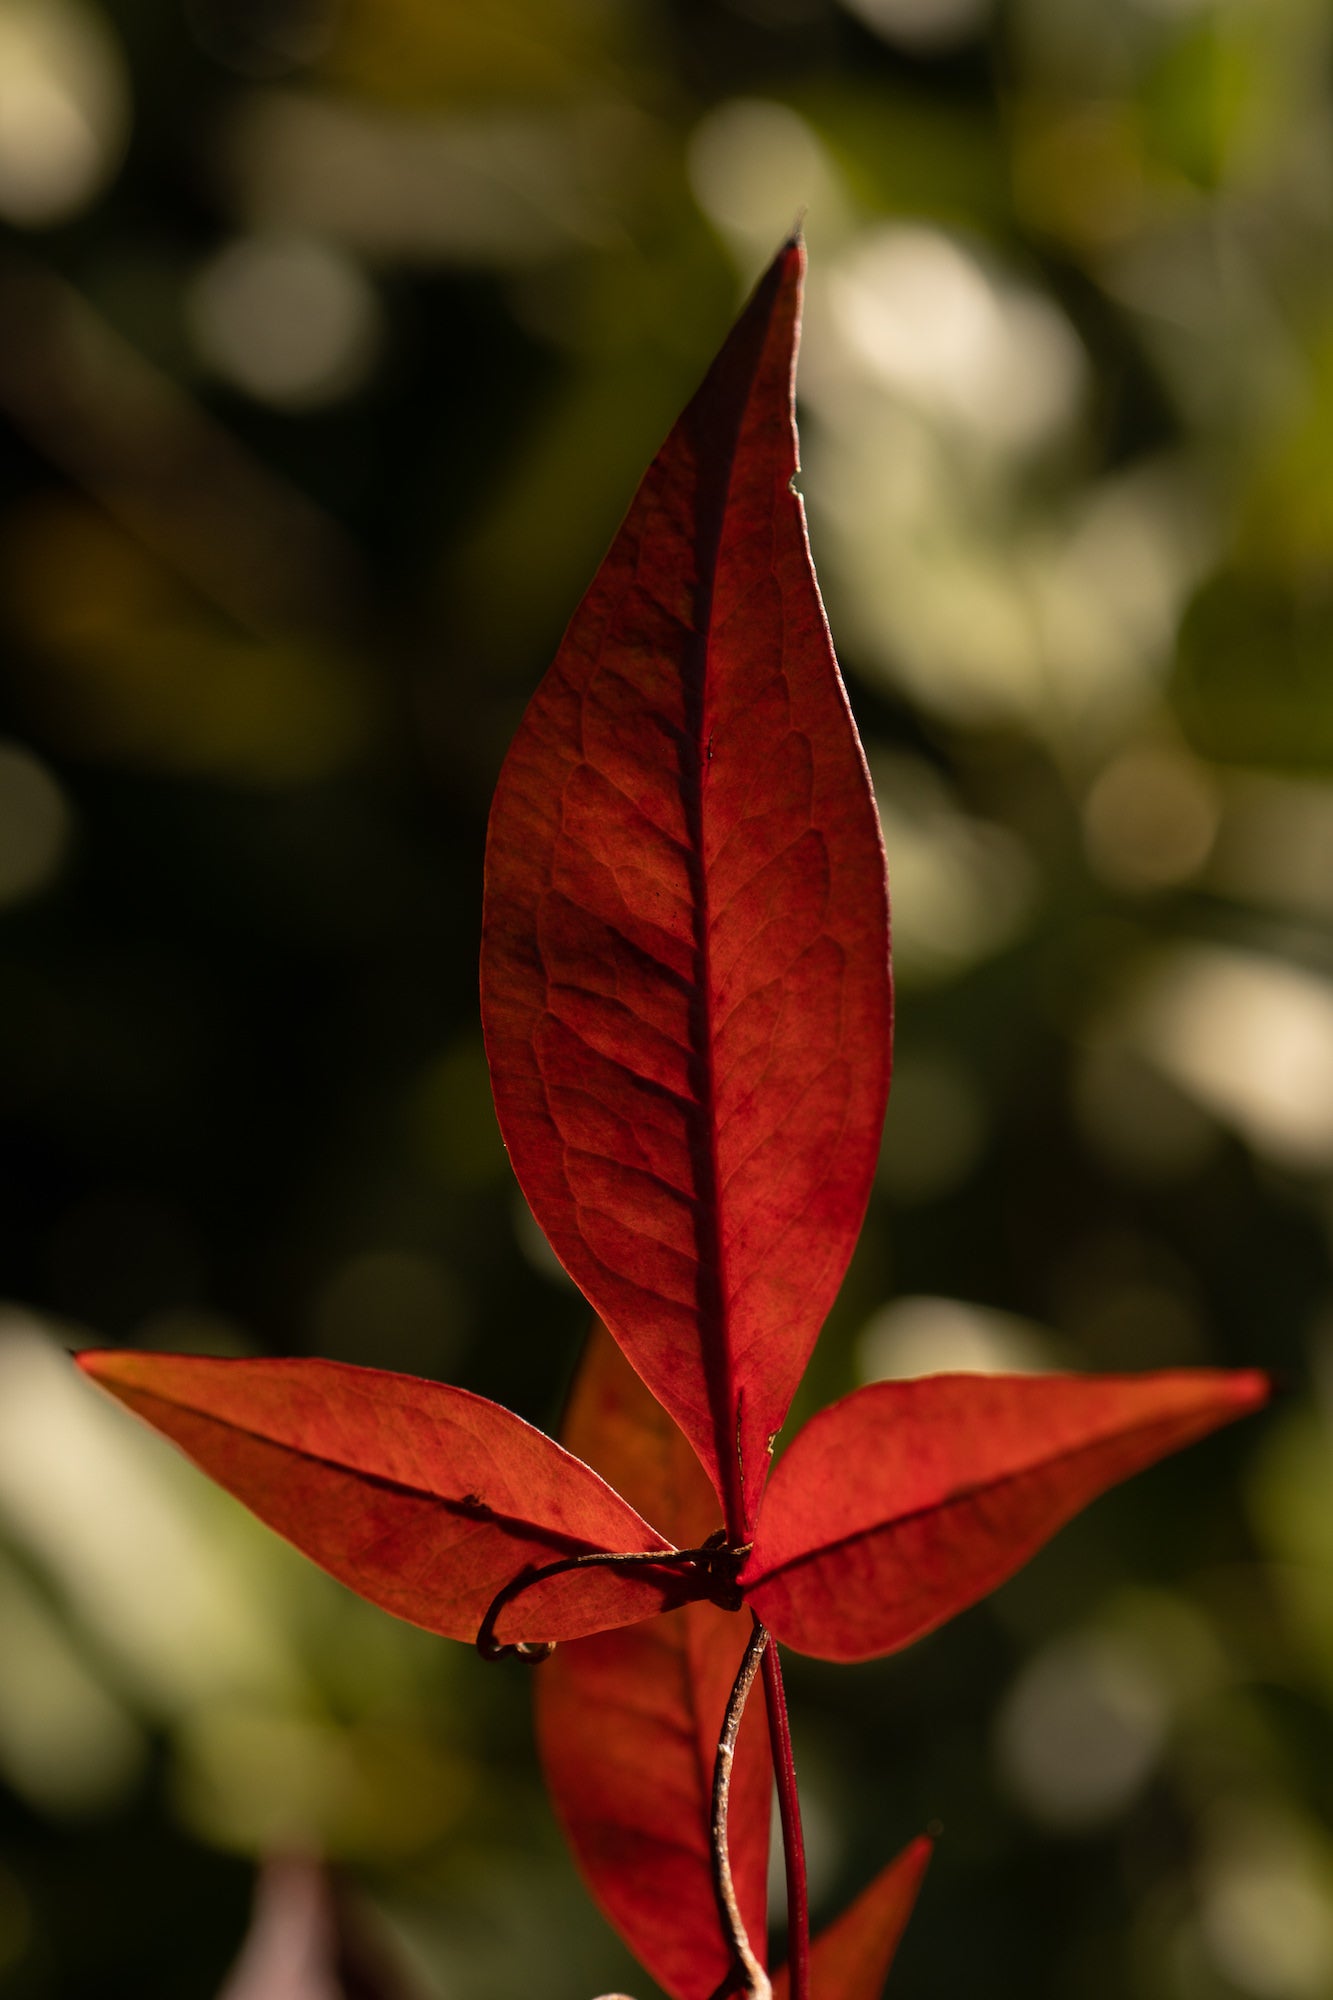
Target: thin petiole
column 793, row 1842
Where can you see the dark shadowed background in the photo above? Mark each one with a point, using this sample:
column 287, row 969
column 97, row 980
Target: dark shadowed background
column 333, row 338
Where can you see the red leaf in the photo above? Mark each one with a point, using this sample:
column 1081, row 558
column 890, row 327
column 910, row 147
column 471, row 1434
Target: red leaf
column 628, row 1722
column 425, row 1499
column 850, row 1960
column 685, row 983
column 906, row 1501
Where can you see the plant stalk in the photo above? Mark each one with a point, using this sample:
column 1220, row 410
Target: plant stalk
column 746, row 1966
column 714, row 1560
column 793, row 1841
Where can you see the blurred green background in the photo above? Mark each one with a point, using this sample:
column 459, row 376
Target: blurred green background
column 334, row 335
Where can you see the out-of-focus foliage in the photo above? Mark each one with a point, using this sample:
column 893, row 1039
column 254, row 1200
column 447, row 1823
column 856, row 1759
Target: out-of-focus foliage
column 332, row 342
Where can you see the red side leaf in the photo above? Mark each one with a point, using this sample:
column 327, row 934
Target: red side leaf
column 685, row 984
column 850, row 1960
column 628, row 1722
column 425, row 1499
column 906, row 1501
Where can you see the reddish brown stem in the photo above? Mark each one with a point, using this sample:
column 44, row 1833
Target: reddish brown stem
column 793, row 1842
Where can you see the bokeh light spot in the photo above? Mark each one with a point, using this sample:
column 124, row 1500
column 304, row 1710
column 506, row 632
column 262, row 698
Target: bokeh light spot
column 35, row 825
column 963, row 888
column 1251, row 1038
column 1081, row 1730
column 126, row 1530
column 1150, row 818
column 66, row 1744
column 1267, row 1907
column 925, row 316
column 289, row 321
column 755, row 166
column 64, row 110
column 924, row 25
column 937, row 1336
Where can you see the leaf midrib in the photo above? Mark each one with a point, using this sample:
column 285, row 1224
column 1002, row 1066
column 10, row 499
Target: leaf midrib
column 1165, row 1427
column 724, row 1393
column 515, row 1525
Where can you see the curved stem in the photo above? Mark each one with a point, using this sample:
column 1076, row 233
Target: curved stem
column 535, row 1651
column 756, row 1985
column 793, row 1842
column 705, row 1560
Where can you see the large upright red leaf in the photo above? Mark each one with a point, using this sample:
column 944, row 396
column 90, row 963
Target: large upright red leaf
column 850, row 1960
column 425, row 1499
column 628, row 1722
column 906, row 1501
column 685, row 984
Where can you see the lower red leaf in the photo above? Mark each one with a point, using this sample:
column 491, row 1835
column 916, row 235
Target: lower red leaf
column 628, row 1722
column 425, row 1499
column 907, row 1501
column 627, row 1729
column 850, row 1960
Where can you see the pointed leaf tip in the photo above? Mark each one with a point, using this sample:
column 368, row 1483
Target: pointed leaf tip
column 425, row 1499
column 685, row 985
column 907, row 1501
column 851, row 1959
